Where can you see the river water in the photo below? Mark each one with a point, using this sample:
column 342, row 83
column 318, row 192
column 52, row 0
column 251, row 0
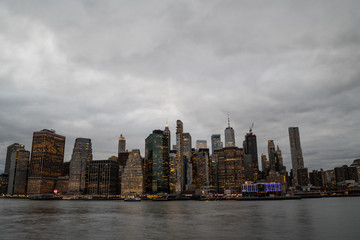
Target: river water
column 326, row 218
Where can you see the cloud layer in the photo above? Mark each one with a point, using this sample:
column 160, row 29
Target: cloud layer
column 98, row 69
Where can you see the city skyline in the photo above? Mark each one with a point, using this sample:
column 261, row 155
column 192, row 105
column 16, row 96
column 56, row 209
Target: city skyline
column 98, row 70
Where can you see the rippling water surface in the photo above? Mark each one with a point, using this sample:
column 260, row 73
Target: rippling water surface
column 329, row 218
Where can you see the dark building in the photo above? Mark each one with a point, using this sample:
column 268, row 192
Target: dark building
column 122, row 144
column 46, row 165
column 230, row 169
column 249, row 168
column 10, row 150
column 271, row 154
column 303, row 177
column 201, row 168
column 4, row 180
column 296, row 151
column 250, row 148
column 66, row 169
column 317, row 178
column 79, row 166
column 180, row 162
column 103, row 177
column 345, row 173
column 157, row 169
column 19, row 165
column 216, row 143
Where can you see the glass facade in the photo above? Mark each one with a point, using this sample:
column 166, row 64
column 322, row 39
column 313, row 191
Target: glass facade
column 103, row 177
column 132, row 176
column 216, row 143
column 157, row 169
column 79, row 166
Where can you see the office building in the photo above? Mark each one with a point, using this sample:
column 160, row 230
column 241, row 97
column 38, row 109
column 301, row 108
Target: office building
column 121, row 144
column 19, row 165
column 303, row 177
column 103, row 177
column 250, row 148
column 180, row 163
column 201, row 144
column 229, row 135
column 296, row 152
column 10, row 150
column 188, row 167
column 230, row 174
column 79, row 166
column 216, row 143
column 271, row 154
column 132, row 176
column 202, row 168
column 46, row 165
column 157, row 169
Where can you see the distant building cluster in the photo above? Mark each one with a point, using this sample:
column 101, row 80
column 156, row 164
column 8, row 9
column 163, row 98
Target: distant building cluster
column 165, row 169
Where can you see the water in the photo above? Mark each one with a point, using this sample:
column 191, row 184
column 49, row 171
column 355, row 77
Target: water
column 327, row 218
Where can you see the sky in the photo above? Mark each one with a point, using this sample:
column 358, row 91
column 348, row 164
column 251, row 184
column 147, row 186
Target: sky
column 98, row 69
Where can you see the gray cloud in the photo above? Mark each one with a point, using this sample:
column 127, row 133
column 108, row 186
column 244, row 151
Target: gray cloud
column 98, row 69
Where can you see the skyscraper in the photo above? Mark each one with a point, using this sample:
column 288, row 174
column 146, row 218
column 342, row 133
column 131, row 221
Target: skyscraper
column 103, row 177
column 296, row 152
column 180, row 168
column 202, row 168
column 229, row 135
column 132, row 177
column 122, row 144
column 47, row 156
column 250, row 147
column 201, row 144
column 19, row 164
column 79, row 166
column 157, row 169
column 271, row 153
column 188, row 168
column 10, row 150
column 216, row 143
column 264, row 164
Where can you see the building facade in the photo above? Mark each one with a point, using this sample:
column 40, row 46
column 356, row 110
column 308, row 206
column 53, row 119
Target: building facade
column 47, row 156
column 250, row 148
column 103, row 177
column 216, row 143
column 79, row 166
column 296, row 152
column 132, row 181
column 19, row 165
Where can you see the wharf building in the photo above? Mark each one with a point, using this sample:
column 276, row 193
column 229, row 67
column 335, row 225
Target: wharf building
column 346, row 174
column 216, row 143
column 296, row 152
column 19, row 164
column 157, row 169
column 46, row 165
column 79, row 166
column 103, row 177
column 250, row 148
column 132, row 177
column 4, row 180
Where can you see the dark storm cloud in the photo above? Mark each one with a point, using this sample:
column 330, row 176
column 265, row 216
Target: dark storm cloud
column 97, row 69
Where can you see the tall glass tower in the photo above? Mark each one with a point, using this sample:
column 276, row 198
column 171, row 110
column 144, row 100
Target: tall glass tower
column 79, row 166
column 216, row 143
column 229, row 135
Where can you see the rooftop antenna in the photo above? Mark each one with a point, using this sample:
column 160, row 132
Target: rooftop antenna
column 228, row 119
column 251, row 128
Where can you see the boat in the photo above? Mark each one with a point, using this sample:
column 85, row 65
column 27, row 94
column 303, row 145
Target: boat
column 132, row 199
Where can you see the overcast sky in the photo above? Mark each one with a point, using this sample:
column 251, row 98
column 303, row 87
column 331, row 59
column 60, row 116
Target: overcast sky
column 97, row 69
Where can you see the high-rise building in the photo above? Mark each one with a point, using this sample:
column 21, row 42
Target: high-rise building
column 303, row 177
column 202, row 168
column 187, row 154
column 10, row 150
column 279, row 163
column 271, row 153
column 250, row 148
column 157, row 169
column 79, row 166
column 201, row 144
column 216, row 143
column 132, row 176
column 47, row 156
column 264, row 163
column 19, row 164
column 180, row 163
column 122, row 144
column 248, row 168
column 172, row 166
column 230, row 174
column 229, row 135
column 296, row 152
column 4, row 180
column 103, row 177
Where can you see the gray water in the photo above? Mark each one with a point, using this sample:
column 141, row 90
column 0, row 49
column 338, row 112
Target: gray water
column 327, row 218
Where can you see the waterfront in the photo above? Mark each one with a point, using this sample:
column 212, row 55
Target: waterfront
column 330, row 218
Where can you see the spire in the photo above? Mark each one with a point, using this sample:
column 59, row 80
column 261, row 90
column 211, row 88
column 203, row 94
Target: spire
column 228, row 119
